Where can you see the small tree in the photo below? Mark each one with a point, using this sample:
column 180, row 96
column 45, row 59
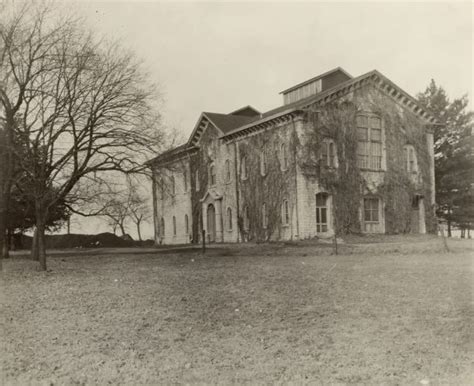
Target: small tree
column 139, row 210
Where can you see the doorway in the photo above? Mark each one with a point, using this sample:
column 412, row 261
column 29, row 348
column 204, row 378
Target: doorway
column 211, row 223
column 418, row 224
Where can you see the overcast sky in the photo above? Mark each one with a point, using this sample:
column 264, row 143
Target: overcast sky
column 221, row 56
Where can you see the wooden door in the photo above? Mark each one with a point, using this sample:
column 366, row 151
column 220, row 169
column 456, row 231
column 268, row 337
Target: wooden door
column 211, row 223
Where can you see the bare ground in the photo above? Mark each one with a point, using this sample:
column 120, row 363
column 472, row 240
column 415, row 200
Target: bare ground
column 396, row 312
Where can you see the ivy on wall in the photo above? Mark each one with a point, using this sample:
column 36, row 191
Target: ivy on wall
column 347, row 183
column 270, row 188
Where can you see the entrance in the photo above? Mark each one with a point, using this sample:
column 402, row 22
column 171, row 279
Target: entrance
column 418, row 224
column 211, row 223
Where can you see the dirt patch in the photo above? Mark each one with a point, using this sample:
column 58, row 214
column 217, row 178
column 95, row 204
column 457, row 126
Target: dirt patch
column 101, row 240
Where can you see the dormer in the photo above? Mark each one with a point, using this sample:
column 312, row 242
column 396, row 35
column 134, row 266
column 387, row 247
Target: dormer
column 315, row 85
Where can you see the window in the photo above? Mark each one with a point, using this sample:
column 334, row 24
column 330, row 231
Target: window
column 284, row 157
column 197, row 181
column 328, row 153
column 321, row 213
column 162, row 227
column 212, row 175
column 285, row 215
column 263, row 163
column 174, row 226
column 243, row 168
column 161, row 189
column 229, row 219
column 186, row 224
column 246, row 219
column 185, row 178
column 173, row 185
column 227, row 170
column 371, row 210
column 410, row 159
column 264, row 216
column 332, row 155
column 369, row 142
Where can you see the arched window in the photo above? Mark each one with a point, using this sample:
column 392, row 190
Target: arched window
column 410, row 159
column 174, row 226
column 285, row 213
column 283, row 157
column 186, row 224
column 263, row 163
column 173, row 185
column 264, row 216
column 332, row 155
column 161, row 189
column 229, row 219
column 162, row 227
column 197, row 181
column 227, row 170
column 328, row 153
column 246, row 219
column 243, row 168
column 212, row 175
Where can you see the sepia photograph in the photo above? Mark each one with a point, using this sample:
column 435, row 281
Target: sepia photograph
column 236, row 192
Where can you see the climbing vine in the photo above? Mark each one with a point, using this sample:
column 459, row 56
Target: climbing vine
column 348, row 183
column 269, row 188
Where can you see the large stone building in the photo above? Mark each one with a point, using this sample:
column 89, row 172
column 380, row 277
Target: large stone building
column 342, row 154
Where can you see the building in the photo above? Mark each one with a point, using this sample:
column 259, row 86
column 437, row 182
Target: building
column 342, row 154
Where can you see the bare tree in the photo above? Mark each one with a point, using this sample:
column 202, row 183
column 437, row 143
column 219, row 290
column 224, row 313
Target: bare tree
column 139, row 210
column 81, row 107
column 117, row 213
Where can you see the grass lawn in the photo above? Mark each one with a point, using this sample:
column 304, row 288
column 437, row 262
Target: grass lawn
column 388, row 313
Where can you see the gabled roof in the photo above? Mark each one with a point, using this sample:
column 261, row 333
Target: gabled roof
column 231, row 125
column 223, row 122
column 228, row 122
column 171, row 154
column 341, row 89
column 247, row 111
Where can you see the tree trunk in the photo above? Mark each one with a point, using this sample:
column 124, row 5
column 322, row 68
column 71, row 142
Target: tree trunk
column 41, row 245
column 34, row 245
column 449, row 227
column 41, row 216
column 6, row 171
column 122, row 229
column 138, row 231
